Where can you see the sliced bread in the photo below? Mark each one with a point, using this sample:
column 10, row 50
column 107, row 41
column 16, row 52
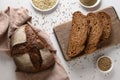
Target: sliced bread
column 106, row 24
column 78, row 35
column 95, row 32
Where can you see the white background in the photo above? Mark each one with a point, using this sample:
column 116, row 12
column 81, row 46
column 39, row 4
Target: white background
column 83, row 68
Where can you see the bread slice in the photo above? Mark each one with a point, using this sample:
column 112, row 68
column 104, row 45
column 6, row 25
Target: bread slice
column 95, row 32
column 106, row 24
column 78, row 35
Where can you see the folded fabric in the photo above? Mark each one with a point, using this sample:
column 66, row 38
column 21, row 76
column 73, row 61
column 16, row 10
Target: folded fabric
column 10, row 20
column 4, row 22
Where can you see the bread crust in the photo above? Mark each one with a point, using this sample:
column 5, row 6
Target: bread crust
column 30, row 50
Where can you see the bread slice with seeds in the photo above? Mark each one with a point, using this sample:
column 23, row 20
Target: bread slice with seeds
column 78, row 35
column 95, row 32
column 106, row 24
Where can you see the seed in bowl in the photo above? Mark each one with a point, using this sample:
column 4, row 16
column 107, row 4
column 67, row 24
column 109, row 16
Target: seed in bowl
column 88, row 2
column 44, row 4
column 104, row 63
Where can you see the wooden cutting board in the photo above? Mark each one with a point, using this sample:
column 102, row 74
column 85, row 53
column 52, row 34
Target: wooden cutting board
column 62, row 33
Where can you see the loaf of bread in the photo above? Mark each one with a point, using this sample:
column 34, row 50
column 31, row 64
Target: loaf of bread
column 106, row 24
column 29, row 52
column 95, row 32
column 78, row 35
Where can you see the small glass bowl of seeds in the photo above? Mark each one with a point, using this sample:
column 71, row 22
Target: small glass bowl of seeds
column 104, row 64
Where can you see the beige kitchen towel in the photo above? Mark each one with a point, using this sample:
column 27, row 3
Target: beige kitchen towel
column 10, row 20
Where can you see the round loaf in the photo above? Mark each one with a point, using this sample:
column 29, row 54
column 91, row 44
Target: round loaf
column 29, row 52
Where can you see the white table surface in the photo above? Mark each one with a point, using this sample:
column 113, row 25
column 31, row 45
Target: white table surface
column 83, row 68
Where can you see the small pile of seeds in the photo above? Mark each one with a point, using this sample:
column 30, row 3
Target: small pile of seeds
column 88, row 2
column 104, row 63
column 44, row 4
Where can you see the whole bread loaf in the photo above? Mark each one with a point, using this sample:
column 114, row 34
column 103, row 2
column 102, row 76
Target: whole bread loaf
column 95, row 32
column 78, row 34
column 106, row 24
column 29, row 52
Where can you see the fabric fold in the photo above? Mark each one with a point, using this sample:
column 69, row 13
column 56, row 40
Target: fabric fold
column 4, row 23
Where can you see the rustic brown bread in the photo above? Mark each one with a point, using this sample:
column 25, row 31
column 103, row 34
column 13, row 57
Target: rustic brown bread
column 78, row 35
column 95, row 32
column 29, row 52
column 106, row 24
